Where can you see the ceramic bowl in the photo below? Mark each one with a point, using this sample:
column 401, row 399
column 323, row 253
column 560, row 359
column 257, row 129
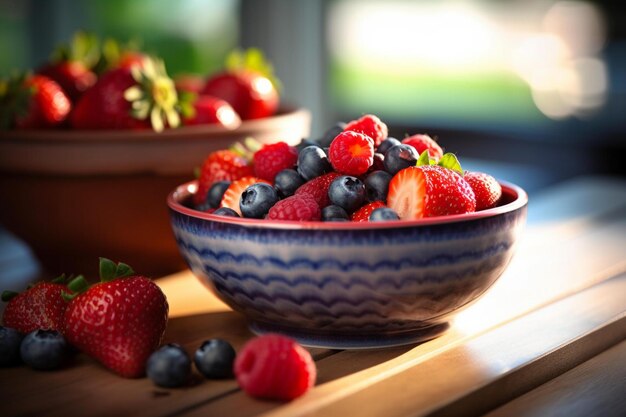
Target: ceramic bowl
column 349, row 285
column 76, row 195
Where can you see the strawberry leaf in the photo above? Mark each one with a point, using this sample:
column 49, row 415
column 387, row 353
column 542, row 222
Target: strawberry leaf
column 425, row 159
column 8, row 295
column 450, row 161
column 107, row 270
column 60, row 279
column 123, row 270
column 252, row 59
column 77, row 286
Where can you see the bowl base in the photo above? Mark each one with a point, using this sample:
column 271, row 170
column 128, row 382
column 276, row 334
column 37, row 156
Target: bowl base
column 352, row 341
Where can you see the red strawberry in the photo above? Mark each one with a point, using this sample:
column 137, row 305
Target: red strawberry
column 271, row 159
column 32, row 102
column 232, row 195
column 212, row 110
column 247, row 84
column 191, row 83
column 351, row 153
column 486, row 189
column 223, row 165
column 422, row 143
column 275, row 367
column 371, row 126
column 119, row 321
column 428, row 191
column 129, row 98
column 39, row 307
column 73, row 76
column 71, row 64
column 296, row 207
column 363, row 214
column 318, row 188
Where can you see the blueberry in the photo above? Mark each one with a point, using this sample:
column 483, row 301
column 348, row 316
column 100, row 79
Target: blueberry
column 313, row 162
column 334, row 213
column 399, row 157
column 257, row 200
column 305, row 143
column 169, row 366
column 226, row 211
column 347, row 192
column 216, row 192
column 10, row 340
column 386, row 144
column 331, row 134
column 214, row 359
column 44, row 349
column 383, row 214
column 377, row 185
column 287, row 182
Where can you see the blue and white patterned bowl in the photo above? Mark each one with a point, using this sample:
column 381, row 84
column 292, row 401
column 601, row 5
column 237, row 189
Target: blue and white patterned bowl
column 349, row 285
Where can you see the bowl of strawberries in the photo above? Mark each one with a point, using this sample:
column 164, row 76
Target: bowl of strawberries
column 355, row 240
column 91, row 144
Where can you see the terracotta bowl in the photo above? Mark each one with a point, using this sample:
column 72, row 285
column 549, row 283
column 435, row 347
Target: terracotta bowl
column 349, row 285
column 76, row 195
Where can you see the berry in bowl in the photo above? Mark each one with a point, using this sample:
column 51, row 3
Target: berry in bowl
column 375, row 242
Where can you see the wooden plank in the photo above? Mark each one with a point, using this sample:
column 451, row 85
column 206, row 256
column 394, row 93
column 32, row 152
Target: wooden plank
column 481, row 373
column 594, row 388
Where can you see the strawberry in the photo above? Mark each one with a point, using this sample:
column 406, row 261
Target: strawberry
column 247, row 84
column 273, row 158
column 318, row 188
column 191, row 83
column 129, row 98
column 32, row 102
column 351, row 153
column 73, row 76
column 297, row 207
column 428, row 191
column 232, row 195
column 275, row 367
column 363, row 214
column 486, row 189
column 70, row 65
column 371, row 126
column 39, row 307
column 119, row 321
column 212, row 110
column 222, row 165
column 422, row 143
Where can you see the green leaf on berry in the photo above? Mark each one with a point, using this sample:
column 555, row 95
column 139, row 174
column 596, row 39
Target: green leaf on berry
column 109, row 270
column 450, row 161
column 8, row 295
column 77, row 286
column 425, row 159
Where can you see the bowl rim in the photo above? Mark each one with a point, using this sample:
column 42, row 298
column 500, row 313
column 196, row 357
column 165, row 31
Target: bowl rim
column 198, row 132
column 184, row 191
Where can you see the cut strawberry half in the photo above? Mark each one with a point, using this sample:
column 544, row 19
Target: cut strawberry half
column 429, row 191
column 232, row 195
column 407, row 190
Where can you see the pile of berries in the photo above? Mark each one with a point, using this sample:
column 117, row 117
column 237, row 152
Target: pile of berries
column 355, row 172
column 93, row 84
column 120, row 322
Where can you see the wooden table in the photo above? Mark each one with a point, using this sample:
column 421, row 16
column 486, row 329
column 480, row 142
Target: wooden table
column 548, row 339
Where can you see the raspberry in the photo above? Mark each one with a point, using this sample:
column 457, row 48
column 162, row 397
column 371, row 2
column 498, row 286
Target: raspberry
column 422, row 143
column 363, row 214
column 301, row 208
column 271, row 159
column 318, row 188
column 351, row 153
column 275, row 367
column 371, row 126
column 486, row 189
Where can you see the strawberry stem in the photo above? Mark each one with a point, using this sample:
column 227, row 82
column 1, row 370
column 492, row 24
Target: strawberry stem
column 8, row 295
